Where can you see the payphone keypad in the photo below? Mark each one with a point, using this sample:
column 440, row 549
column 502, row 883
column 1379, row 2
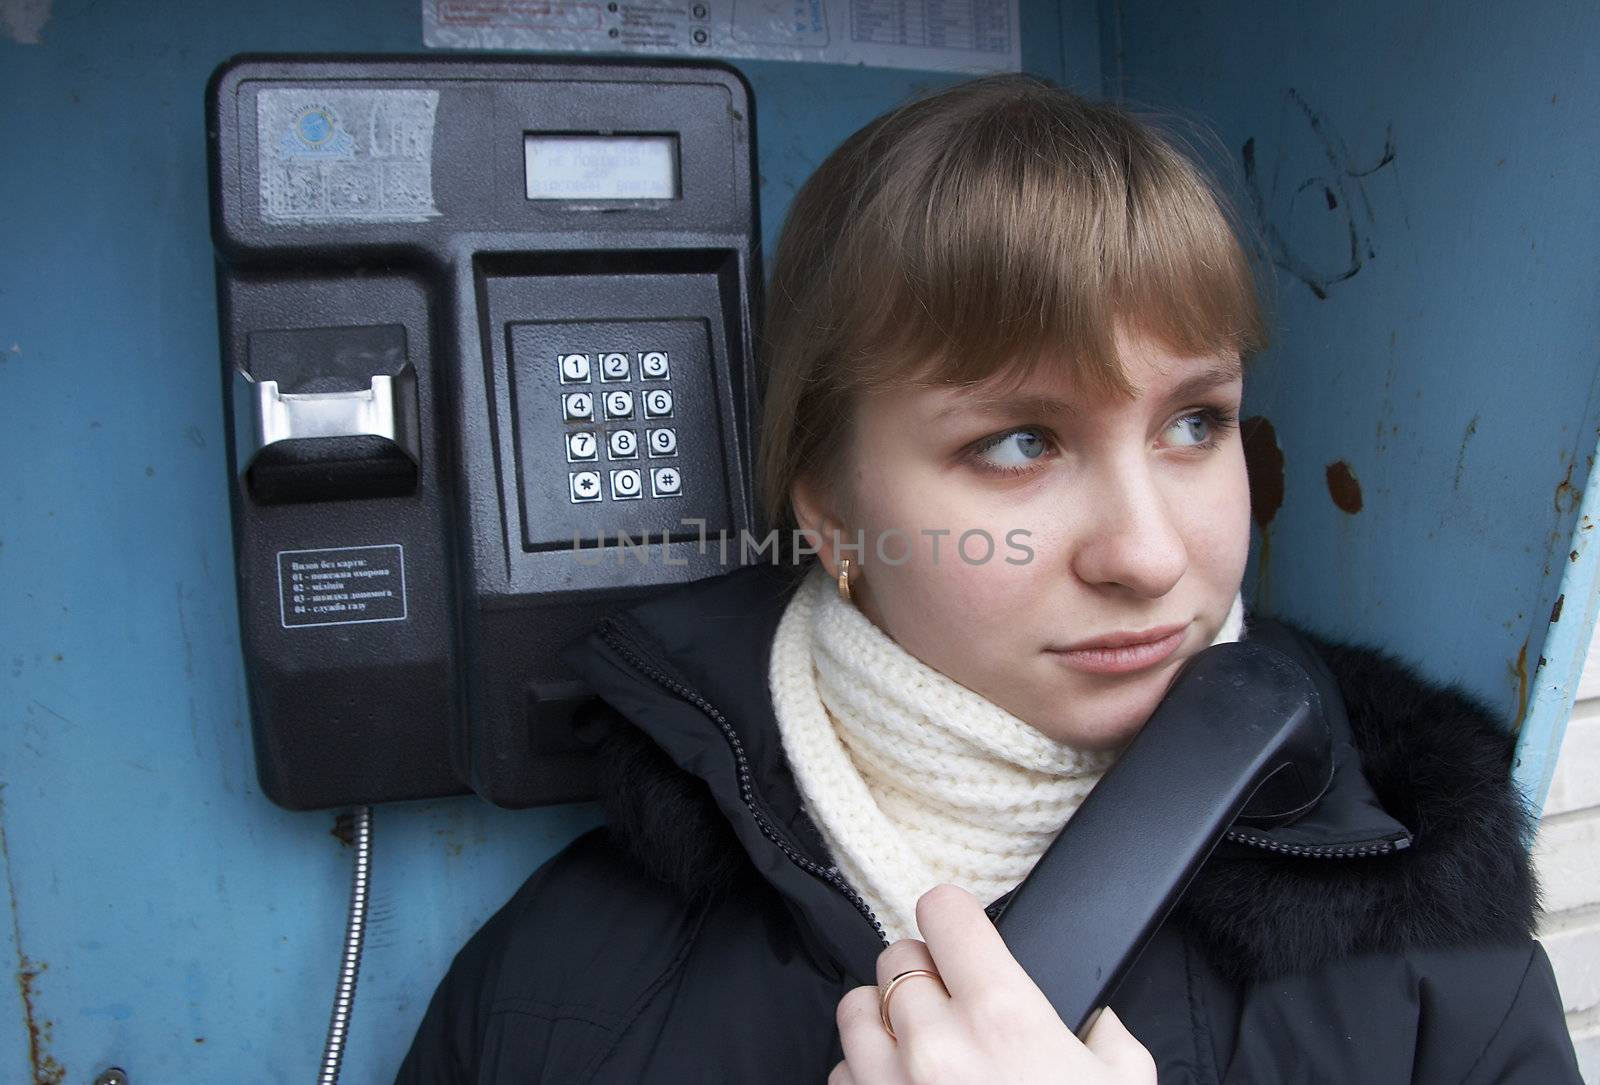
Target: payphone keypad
column 615, row 415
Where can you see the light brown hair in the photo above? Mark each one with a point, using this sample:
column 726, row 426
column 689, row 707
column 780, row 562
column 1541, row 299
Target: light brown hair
column 987, row 229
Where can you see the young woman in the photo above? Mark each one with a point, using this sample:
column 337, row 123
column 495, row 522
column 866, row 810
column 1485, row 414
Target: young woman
column 1004, row 353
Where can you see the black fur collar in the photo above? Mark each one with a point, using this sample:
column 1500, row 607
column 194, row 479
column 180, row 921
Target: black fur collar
column 1433, row 756
column 1439, row 764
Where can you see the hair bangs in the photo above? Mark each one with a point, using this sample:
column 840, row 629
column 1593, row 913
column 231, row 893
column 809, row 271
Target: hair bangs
column 1022, row 242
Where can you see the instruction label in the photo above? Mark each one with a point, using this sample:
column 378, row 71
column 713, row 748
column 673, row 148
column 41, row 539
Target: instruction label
column 329, row 155
column 971, row 36
column 342, row 586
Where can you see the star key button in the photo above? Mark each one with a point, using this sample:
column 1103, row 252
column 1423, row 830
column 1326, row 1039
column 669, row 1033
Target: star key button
column 585, row 485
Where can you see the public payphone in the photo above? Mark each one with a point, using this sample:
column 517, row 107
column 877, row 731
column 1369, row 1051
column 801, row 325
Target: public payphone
column 486, row 339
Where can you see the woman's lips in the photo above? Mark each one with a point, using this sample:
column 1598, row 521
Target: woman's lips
column 1128, row 657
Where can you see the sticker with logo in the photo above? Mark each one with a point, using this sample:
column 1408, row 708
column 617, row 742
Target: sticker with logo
column 329, row 155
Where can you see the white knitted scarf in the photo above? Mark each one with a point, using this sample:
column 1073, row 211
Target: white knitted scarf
column 912, row 778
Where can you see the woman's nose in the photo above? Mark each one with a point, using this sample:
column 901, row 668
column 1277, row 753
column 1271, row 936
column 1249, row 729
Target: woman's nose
column 1130, row 537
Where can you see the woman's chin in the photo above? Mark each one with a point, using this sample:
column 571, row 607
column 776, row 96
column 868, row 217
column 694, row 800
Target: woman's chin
column 1102, row 723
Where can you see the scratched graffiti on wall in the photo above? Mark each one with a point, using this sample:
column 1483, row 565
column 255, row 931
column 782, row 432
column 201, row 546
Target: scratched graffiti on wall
column 1312, row 203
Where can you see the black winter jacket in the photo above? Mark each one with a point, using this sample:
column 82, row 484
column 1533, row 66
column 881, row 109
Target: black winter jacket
column 705, row 935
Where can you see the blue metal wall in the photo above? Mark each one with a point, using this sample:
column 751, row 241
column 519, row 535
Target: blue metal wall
column 1423, row 177
column 166, row 918
column 163, row 916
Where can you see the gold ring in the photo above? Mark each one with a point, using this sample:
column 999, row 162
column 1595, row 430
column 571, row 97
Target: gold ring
column 888, row 989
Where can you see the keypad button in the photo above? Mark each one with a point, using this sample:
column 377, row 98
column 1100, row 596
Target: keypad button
column 619, row 404
column 657, row 403
column 625, row 484
column 585, row 485
column 614, row 366
column 583, row 445
column 663, row 442
column 653, row 365
column 578, row 407
column 665, row 482
column 574, row 368
column 624, row 444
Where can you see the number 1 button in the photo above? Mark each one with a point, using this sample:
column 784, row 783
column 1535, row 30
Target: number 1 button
column 574, row 368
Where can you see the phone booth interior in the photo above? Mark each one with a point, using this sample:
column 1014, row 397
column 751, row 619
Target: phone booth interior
column 1420, row 435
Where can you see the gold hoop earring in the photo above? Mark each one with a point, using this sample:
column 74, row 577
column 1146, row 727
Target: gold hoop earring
column 844, row 579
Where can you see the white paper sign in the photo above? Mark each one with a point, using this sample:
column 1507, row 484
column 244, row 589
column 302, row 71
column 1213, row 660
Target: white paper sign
column 969, row 36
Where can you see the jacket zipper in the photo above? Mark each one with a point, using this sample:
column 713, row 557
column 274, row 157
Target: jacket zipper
column 1362, row 850
column 612, row 633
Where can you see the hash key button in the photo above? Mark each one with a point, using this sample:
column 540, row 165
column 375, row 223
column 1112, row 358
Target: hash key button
column 665, row 482
column 585, row 485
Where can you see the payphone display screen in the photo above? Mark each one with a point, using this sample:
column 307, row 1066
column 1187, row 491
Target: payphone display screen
column 596, row 167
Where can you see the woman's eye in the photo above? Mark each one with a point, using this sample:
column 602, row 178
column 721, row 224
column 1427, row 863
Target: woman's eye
column 1013, row 452
column 1203, row 428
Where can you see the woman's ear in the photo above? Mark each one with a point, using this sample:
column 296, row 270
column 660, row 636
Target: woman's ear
column 815, row 515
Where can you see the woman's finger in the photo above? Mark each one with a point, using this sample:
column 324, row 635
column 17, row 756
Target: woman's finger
column 972, row 958
column 871, row 1055
column 1111, row 1042
column 918, row 1003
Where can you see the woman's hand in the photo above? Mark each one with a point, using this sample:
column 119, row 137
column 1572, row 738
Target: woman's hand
column 983, row 1020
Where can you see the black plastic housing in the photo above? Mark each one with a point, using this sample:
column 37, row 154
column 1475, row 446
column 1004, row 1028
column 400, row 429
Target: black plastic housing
column 449, row 681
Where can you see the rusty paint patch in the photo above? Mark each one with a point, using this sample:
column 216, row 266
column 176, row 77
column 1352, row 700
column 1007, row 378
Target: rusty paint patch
column 1566, row 493
column 1263, row 461
column 1519, row 673
column 46, row 1070
column 1572, row 556
column 1555, row 611
column 1343, row 487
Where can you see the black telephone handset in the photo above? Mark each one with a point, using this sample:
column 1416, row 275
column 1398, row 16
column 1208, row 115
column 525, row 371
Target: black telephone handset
column 1240, row 733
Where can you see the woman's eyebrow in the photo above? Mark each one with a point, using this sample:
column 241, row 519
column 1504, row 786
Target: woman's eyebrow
column 1211, row 377
column 981, row 403
column 1214, row 376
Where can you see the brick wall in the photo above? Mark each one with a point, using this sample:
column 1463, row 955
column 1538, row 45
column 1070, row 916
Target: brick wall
column 1568, row 858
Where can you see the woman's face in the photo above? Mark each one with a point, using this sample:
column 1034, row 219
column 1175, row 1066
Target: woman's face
column 1136, row 513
